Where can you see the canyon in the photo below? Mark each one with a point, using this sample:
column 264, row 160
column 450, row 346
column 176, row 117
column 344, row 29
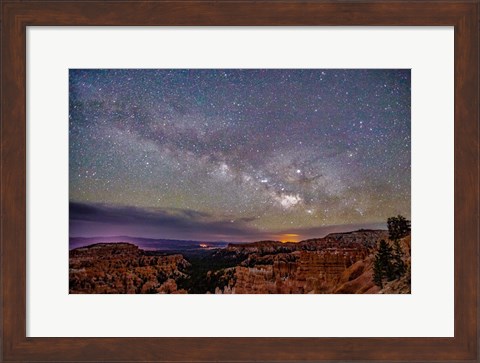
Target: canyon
column 123, row 268
column 340, row 263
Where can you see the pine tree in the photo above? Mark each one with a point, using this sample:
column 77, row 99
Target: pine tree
column 378, row 272
column 398, row 264
column 383, row 265
column 398, row 227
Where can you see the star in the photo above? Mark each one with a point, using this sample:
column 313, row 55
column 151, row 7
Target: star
column 179, row 153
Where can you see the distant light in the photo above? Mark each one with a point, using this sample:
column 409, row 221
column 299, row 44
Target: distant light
column 289, row 237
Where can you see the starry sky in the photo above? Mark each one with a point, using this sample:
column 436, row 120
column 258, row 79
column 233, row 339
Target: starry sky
column 237, row 154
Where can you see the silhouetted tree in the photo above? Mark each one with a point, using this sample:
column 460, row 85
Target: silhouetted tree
column 398, row 264
column 398, row 227
column 383, row 266
column 378, row 272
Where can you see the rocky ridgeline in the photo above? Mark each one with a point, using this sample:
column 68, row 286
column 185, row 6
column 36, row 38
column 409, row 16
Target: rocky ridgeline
column 113, row 268
column 322, row 265
column 105, row 251
column 364, row 238
column 354, row 240
column 337, row 263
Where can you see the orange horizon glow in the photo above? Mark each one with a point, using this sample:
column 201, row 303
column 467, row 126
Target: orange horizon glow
column 289, row 237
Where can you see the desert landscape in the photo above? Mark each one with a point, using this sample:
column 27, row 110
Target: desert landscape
column 340, row 263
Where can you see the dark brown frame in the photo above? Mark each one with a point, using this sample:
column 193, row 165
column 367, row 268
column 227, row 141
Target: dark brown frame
column 17, row 15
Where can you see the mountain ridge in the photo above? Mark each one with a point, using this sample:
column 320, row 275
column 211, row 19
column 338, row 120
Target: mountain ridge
column 175, row 244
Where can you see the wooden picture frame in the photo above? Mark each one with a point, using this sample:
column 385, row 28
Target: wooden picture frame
column 18, row 15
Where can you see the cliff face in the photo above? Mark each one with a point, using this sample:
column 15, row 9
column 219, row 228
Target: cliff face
column 358, row 278
column 123, row 268
column 338, row 263
column 302, row 272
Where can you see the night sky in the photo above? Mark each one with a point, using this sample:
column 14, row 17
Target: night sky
column 237, row 155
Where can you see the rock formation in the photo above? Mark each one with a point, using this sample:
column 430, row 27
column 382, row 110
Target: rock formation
column 340, row 263
column 337, row 263
column 113, row 268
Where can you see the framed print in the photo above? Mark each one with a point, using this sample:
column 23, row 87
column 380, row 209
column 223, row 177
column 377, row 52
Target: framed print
column 234, row 260
column 285, row 166
column 225, row 181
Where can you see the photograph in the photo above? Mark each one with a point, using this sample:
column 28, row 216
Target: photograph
column 239, row 181
column 175, row 176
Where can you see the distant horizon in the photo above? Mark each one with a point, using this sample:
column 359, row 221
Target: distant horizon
column 149, row 244
column 366, row 228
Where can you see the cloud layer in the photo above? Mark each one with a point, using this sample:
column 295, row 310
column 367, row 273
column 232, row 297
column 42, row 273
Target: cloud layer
column 114, row 220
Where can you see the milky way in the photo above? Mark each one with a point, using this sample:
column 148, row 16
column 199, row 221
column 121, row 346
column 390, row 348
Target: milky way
column 237, row 155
